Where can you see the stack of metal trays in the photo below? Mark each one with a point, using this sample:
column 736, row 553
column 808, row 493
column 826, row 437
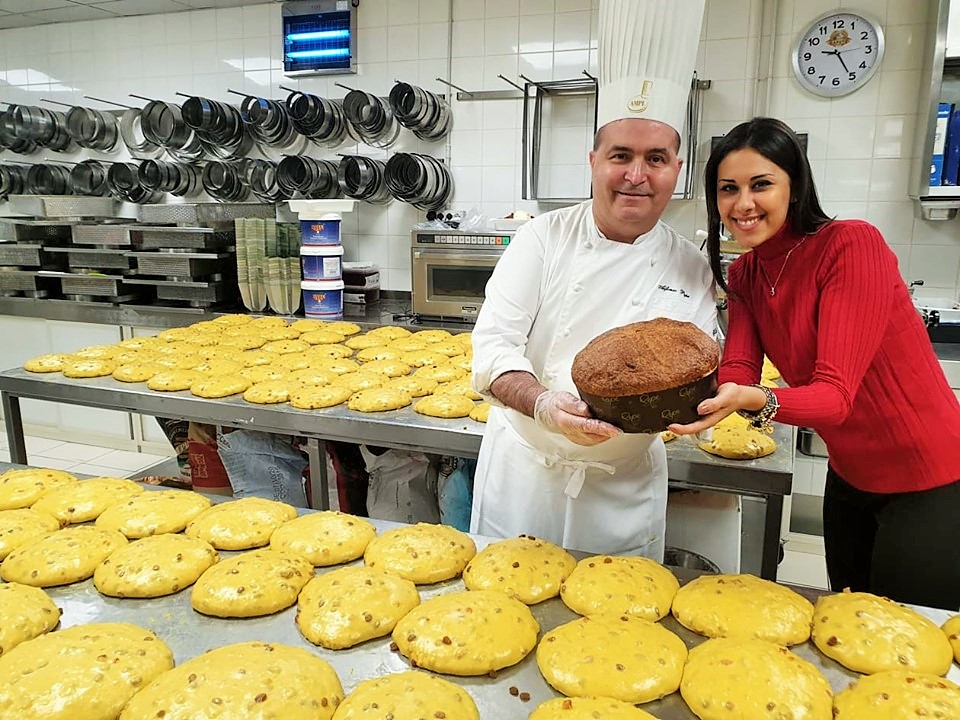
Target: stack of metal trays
column 26, row 247
column 64, row 206
column 186, row 251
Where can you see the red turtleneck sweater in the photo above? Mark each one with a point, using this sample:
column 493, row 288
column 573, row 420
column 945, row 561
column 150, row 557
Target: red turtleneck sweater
column 846, row 337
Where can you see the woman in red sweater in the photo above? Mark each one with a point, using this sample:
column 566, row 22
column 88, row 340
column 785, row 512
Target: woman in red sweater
column 825, row 301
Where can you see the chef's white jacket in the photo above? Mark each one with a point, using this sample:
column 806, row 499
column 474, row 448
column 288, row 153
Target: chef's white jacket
column 558, row 285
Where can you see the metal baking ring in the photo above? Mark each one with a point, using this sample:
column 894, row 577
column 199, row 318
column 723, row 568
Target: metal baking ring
column 13, row 180
column 48, row 180
column 91, row 128
column 163, row 124
column 134, row 138
column 363, row 178
column 124, row 185
column 8, row 135
column 89, row 177
column 262, row 175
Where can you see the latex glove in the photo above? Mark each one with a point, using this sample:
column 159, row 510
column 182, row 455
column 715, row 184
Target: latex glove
column 564, row 413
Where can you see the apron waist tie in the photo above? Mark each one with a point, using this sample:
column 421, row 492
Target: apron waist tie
column 579, row 468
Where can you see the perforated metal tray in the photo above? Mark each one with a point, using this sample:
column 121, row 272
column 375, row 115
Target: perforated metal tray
column 204, row 214
column 180, row 264
column 26, row 230
column 191, row 238
column 57, row 206
column 106, row 234
column 95, row 258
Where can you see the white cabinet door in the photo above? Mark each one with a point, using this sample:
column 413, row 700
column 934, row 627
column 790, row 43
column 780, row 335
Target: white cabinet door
column 27, row 338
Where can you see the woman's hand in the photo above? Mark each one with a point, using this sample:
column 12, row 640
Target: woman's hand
column 728, row 400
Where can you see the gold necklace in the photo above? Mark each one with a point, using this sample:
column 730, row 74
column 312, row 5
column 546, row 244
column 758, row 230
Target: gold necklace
column 773, row 285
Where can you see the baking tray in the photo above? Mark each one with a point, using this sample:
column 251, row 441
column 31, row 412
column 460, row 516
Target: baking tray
column 199, row 293
column 57, row 206
column 26, row 282
column 189, row 634
column 103, row 234
column 187, row 238
column 25, row 230
column 94, row 258
column 180, row 264
column 204, row 214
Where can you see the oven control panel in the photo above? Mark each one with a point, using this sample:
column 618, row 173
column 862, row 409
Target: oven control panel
column 451, row 238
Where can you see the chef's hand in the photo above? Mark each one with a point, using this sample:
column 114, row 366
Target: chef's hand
column 713, row 410
column 564, row 413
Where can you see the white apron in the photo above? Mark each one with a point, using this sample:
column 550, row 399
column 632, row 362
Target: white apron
column 611, row 497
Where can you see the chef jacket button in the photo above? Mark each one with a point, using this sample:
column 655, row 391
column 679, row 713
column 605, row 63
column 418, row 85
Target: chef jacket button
column 566, row 332
column 636, row 301
column 577, row 288
column 588, row 245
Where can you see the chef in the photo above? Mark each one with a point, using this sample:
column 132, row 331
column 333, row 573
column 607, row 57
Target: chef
column 546, row 467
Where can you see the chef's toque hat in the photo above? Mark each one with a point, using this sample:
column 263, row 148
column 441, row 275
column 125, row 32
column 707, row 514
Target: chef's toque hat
column 648, row 49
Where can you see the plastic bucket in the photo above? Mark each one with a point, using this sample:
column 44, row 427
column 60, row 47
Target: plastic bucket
column 322, row 262
column 323, row 299
column 325, row 231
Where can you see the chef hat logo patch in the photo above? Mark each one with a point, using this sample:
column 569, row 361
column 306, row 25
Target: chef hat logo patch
column 638, row 103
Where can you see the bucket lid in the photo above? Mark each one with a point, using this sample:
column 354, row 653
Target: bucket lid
column 321, row 285
column 331, row 216
column 324, row 250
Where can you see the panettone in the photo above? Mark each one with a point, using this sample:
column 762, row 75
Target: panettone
column 644, row 376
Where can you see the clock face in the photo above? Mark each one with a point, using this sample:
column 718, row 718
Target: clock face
column 838, row 53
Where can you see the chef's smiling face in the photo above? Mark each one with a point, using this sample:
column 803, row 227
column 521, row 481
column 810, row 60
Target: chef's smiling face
column 634, row 168
column 753, row 196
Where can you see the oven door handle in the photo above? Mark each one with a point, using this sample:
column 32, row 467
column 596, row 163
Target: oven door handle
column 465, row 257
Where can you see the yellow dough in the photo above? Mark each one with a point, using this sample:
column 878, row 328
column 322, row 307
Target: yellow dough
column 154, row 566
column 378, row 400
column 441, row 373
column 444, row 406
column 77, row 367
column 86, row 671
column 408, row 695
column 61, row 557
column 898, row 694
column 177, row 334
column 140, row 343
column 240, row 524
column 459, row 387
column 254, row 358
column 739, row 443
column 52, row 362
column 305, row 326
column 282, row 347
column 351, row 605
column 422, row 358
column 355, row 382
column 26, row 612
column 186, row 361
column 423, row 553
column 951, row 628
column 407, row 345
column 259, row 582
column 391, row 368
column 219, row 386
column 96, row 352
column 431, row 336
column 582, row 708
column 325, row 538
column 605, row 585
column 726, row 678
column 22, row 488
column 769, row 370
column 280, row 334
column 390, row 332
column 622, row 657
column 323, row 336
column 743, row 606
column 252, row 680
column 313, row 397
column 362, row 342
column 22, row 525
column 480, row 412
column 83, row 501
column 344, row 328
column 232, row 319
column 330, row 351
column 450, row 348
column 413, row 386
column 243, row 342
column 268, row 392
column 465, row 362
column 312, row 377
column 467, row 633
column 667, row 436
column 152, row 513
column 174, row 380
column 338, row 366
column 526, row 568
column 263, row 373
column 294, row 361
column 137, row 371
column 219, row 368
column 868, row 634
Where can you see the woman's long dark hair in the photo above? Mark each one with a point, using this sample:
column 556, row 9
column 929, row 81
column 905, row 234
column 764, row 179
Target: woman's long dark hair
column 779, row 144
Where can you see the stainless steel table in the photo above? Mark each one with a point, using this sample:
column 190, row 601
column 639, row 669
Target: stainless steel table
column 766, row 480
column 189, row 634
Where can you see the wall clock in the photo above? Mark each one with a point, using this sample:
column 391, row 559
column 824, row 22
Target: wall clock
column 838, row 53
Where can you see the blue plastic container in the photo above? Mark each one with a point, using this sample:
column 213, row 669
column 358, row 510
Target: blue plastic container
column 322, row 262
column 325, row 231
column 323, row 299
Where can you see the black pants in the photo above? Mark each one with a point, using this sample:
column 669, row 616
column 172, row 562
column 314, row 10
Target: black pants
column 904, row 546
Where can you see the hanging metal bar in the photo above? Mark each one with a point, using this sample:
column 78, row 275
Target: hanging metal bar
column 345, row 87
column 141, row 97
column 108, row 102
column 56, row 102
column 450, row 84
column 510, row 82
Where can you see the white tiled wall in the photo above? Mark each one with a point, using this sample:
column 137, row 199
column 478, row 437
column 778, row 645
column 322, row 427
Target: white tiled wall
column 860, row 145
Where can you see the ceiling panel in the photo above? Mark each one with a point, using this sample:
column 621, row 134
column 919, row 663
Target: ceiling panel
column 140, row 7
column 15, row 21
column 24, row 13
column 73, row 13
column 22, row 6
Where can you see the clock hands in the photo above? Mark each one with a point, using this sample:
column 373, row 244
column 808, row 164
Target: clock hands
column 839, row 57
